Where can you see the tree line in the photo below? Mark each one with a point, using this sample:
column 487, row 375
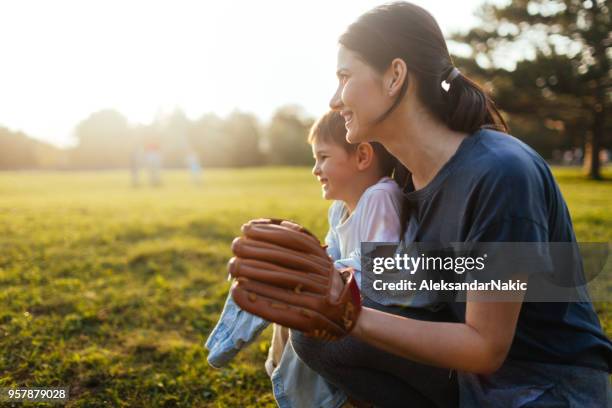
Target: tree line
column 106, row 140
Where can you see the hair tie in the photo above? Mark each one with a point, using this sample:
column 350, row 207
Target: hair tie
column 452, row 75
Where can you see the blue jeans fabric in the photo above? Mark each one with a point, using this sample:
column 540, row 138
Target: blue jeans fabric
column 294, row 384
column 234, row 330
column 521, row 384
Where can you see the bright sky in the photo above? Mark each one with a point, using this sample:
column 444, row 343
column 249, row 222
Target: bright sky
column 63, row 60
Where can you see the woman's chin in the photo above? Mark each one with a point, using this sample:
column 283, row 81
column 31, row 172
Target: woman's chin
column 354, row 136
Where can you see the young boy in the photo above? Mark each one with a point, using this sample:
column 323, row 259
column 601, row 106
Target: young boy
column 366, row 208
column 367, row 202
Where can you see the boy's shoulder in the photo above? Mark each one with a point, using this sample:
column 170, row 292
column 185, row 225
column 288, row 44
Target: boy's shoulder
column 385, row 186
column 385, row 190
column 382, row 196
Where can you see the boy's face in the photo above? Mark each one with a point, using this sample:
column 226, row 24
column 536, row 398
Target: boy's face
column 334, row 168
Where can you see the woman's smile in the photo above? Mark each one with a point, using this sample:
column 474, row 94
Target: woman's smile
column 348, row 117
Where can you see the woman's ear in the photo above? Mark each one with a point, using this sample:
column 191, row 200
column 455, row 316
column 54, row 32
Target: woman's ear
column 365, row 155
column 396, row 75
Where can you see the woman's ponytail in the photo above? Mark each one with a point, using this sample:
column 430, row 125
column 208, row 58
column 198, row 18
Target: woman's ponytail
column 468, row 107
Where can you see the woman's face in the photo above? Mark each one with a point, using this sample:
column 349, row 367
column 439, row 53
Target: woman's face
column 360, row 97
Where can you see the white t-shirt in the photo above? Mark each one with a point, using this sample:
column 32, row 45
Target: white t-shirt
column 376, row 219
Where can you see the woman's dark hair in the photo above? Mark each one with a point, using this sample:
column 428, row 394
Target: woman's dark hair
column 404, row 30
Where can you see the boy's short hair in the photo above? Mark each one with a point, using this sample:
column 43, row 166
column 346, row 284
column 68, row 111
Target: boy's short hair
column 330, row 129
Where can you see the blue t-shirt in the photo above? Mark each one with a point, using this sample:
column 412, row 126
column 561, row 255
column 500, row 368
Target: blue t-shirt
column 497, row 189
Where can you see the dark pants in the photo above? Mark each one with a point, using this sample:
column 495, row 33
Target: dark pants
column 375, row 376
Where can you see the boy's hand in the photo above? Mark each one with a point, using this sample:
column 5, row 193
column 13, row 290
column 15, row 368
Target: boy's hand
column 284, row 275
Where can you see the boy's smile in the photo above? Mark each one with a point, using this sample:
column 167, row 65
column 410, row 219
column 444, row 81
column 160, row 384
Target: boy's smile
column 334, row 168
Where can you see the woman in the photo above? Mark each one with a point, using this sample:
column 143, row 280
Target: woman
column 468, row 183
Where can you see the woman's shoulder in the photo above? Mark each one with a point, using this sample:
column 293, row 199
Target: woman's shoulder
column 503, row 150
column 505, row 178
column 502, row 158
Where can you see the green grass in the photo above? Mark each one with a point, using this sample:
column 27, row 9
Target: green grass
column 111, row 290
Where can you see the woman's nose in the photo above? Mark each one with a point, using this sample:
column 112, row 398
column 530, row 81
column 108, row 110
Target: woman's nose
column 335, row 102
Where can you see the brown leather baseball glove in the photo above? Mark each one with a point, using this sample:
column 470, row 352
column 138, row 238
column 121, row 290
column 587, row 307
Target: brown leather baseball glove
column 283, row 274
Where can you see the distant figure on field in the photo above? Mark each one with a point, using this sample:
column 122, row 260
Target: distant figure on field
column 193, row 162
column 153, row 160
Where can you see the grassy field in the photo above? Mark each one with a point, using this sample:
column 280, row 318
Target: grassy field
column 111, row 290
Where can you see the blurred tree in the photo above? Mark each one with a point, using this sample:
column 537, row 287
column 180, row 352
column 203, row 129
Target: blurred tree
column 563, row 71
column 104, row 141
column 50, row 157
column 286, row 137
column 241, row 137
column 546, row 124
column 17, row 151
column 172, row 134
column 206, row 138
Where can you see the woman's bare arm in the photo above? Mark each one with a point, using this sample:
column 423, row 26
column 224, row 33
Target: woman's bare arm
column 480, row 345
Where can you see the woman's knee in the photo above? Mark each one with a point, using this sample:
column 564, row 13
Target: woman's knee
column 307, row 348
column 321, row 356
